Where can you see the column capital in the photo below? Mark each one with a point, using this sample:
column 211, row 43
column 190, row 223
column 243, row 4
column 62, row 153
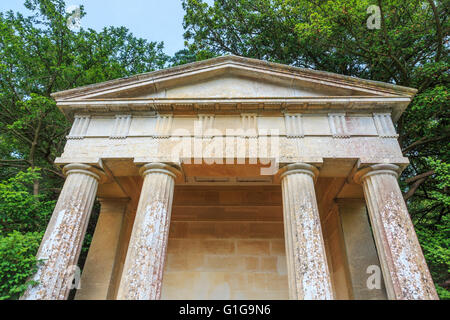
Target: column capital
column 298, row 167
column 83, row 168
column 159, row 167
column 383, row 168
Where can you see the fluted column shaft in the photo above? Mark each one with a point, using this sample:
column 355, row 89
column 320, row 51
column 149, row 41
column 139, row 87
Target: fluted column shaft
column 307, row 266
column 63, row 239
column 403, row 265
column 143, row 269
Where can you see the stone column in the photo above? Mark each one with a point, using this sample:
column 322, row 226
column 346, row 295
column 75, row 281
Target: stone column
column 97, row 280
column 403, row 265
column 64, row 236
column 143, row 269
column 307, row 266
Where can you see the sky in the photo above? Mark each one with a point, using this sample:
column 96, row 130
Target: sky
column 154, row 20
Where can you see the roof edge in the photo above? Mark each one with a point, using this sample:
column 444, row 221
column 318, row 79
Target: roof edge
column 235, row 59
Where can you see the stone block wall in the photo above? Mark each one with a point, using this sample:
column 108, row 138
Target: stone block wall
column 225, row 260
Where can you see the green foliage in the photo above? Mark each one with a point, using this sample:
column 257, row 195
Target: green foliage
column 262, row 29
column 20, row 210
column 23, row 218
column 40, row 55
column 189, row 55
column 436, row 248
column 442, row 178
column 17, row 262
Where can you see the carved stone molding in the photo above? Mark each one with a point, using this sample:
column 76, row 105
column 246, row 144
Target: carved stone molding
column 338, row 125
column 121, row 127
column 294, row 125
column 79, row 127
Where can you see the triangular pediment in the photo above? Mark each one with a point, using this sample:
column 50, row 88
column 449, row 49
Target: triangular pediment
column 229, row 86
column 229, row 79
column 232, row 76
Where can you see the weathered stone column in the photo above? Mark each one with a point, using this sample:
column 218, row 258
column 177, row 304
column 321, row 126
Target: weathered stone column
column 307, row 266
column 403, row 265
column 65, row 232
column 143, row 269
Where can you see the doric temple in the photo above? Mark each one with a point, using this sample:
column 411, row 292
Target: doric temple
column 233, row 178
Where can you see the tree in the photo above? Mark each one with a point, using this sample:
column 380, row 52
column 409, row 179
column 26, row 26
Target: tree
column 17, row 262
column 23, row 217
column 409, row 48
column 189, row 55
column 39, row 55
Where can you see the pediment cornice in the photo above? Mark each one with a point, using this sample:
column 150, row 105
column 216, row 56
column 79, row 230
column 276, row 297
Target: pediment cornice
column 336, row 91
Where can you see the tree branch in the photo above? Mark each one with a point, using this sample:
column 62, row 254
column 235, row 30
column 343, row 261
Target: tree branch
column 391, row 55
column 413, row 188
column 420, row 176
column 423, row 141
